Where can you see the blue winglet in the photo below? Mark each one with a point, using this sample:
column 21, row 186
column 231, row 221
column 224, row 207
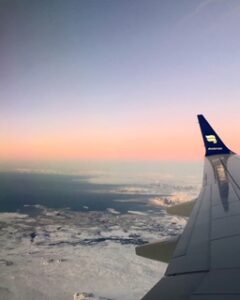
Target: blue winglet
column 213, row 144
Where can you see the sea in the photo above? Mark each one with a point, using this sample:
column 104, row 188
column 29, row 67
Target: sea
column 95, row 186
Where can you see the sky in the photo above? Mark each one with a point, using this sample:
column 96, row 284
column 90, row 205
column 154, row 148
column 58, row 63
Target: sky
column 117, row 79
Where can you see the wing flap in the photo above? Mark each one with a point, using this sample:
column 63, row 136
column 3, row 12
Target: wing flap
column 183, row 209
column 160, row 251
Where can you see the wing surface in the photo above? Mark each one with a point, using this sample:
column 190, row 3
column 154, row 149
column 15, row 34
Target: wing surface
column 206, row 262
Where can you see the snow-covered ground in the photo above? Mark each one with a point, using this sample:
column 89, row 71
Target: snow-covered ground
column 63, row 254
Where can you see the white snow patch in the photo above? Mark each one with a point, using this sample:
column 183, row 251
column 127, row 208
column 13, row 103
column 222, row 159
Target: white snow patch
column 113, row 211
column 135, row 212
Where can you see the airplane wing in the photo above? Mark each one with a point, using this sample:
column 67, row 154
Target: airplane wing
column 205, row 264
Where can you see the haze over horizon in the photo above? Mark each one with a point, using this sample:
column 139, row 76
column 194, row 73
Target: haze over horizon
column 117, row 80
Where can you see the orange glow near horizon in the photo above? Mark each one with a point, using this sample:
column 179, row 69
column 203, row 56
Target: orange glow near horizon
column 142, row 145
column 177, row 139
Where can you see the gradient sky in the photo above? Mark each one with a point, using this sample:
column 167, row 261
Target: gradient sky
column 116, row 79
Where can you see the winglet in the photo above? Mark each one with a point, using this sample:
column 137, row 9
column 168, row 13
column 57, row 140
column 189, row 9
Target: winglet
column 213, row 143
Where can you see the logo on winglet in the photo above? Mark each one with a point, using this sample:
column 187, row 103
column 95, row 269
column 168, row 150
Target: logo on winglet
column 211, row 139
